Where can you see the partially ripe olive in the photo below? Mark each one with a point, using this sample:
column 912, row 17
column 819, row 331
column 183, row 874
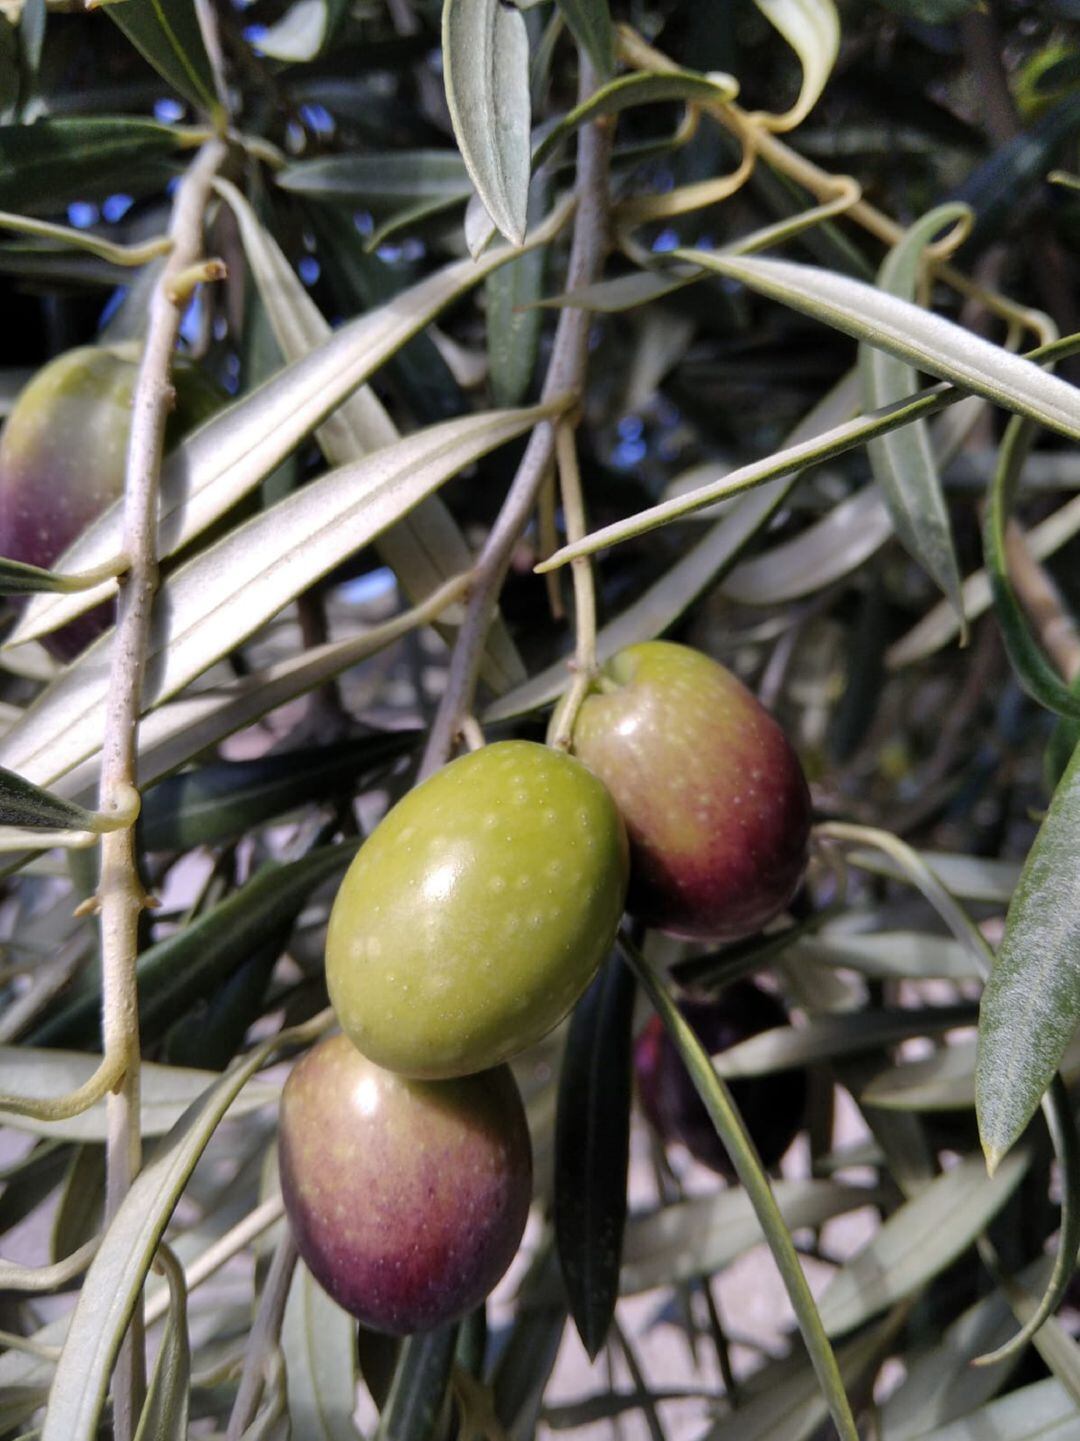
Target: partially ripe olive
column 477, row 912
column 772, row 1106
column 407, row 1199
column 714, row 799
column 63, row 451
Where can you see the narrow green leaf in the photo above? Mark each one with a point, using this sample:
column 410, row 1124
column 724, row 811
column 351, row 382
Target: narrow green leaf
column 927, row 341
column 527, row 1360
column 903, row 461
column 941, row 1384
column 82, row 1203
column 918, row 1241
column 701, row 1236
column 17, row 578
column 196, row 960
column 486, row 70
column 740, row 1147
column 116, row 1274
column 891, row 955
column 1036, row 674
column 592, row 1147
column 44, row 165
column 221, row 801
column 306, row 28
column 167, row 33
column 590, row 25
column 969, row 878
column 379, row 181
column 812, row 29
column 1043, row 1411
column 1031, row 1004
column 420, row 1387
column 166, row 1092
column 319, row 1342
column 27, row 806
column 165, row 1411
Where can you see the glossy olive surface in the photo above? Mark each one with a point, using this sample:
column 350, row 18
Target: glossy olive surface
column 714, row 799
column 477, row 912
column 407, row 1199
column 63, row 451
column 772, row 1106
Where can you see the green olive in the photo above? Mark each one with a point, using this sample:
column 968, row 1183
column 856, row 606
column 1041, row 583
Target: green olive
column 477, row 912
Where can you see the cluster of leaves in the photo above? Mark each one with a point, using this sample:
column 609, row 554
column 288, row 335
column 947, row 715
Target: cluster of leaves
column 394, row 210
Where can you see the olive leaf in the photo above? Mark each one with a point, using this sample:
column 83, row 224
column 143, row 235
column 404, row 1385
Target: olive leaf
column 486, row 70
column 592, row 1147
column 590, row 25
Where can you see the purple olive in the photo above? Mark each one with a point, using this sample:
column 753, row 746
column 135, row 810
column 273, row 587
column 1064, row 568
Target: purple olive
column 772, row 1106
column 407, row 1199
column 714, row 799
column 63, row 452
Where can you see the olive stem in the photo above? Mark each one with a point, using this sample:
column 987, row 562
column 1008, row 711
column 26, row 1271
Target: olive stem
column 562, row 721
column 120, row 893
column 565, row 376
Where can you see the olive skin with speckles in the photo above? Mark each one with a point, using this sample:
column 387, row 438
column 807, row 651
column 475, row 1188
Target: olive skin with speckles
column 407, row 1199
column 714, row 798
column 63, row 452
column 773, row 1106
column 477, row 912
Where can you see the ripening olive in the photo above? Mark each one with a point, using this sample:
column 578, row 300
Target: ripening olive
column 772, row 1106
column 407, row 1199
column 477, row 912
column 714, row 799
column 63, row 452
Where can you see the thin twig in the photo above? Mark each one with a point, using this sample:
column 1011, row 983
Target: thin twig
column 565, row 377
column 573, row 499
column 120, row 894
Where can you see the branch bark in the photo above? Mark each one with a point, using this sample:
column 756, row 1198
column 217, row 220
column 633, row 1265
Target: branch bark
column 565, row 377
column 120, row 894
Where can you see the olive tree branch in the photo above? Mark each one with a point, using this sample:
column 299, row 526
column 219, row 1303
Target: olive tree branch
column 120, row 896
column 565, row 377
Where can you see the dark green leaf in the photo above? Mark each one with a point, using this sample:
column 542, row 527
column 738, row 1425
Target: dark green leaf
column 486, row 70
column 903, row 461
column 590, row 24
column 221, row 801
column 1031, row 1004
column 528, row 1358
column 592, row 1142
column 44, row 165
column 31, row 1180
column 1037, row 675
column 196, row 960
column 1064, row 739
column 421, row 1384
column 168, row 35
column 30, row 808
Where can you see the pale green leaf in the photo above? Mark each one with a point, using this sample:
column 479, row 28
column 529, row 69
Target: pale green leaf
column 918, row 1241
column 812, row 29
column 1043, row 1411
column 303, row 31
column 486, row 70
column 903, row 462
column 1031, row 1004
column 165, row 1411
column 319, row 1342
column 927, row 341
column 167, row 1091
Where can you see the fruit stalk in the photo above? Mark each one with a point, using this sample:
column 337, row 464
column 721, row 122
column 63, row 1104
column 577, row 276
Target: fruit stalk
column 120, row 896
column 565, row 377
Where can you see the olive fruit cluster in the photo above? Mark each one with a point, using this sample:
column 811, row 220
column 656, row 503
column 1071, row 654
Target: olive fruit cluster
column 469, row 924
column 63, row 452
